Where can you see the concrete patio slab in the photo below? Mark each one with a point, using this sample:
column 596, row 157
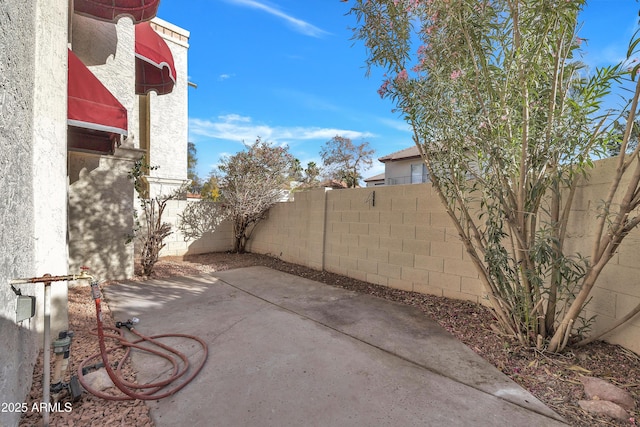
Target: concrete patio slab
column 287, row 351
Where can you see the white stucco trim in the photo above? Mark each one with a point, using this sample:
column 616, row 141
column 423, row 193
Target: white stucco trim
column 175, row 29
column 95, row 126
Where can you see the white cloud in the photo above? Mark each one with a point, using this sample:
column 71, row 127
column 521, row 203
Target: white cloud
column 298, row 24
column 375, row 169
column 225, row 76
column 234, row 118
column 234, row 127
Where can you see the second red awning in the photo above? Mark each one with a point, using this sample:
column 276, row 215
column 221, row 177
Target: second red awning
column 155, row 70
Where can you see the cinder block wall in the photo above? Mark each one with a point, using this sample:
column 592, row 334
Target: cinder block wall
column 293, row 231
column 396, row 236
column 219, row 240
column 617, row 291
column 401, row 237
column 404, row 241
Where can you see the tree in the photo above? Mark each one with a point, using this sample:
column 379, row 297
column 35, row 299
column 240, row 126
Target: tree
column 311, row 173
column 493, row 92
column 344, row 160
column 192, row 162
column 153, row 230
column 295, row 174
column 252, row 181
column 210, row 190
column 617, row 132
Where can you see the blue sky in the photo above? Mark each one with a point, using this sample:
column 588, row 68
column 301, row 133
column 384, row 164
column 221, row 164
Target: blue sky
column 288, row 71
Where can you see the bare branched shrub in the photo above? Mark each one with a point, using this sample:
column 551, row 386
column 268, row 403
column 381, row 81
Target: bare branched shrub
column 150, row 229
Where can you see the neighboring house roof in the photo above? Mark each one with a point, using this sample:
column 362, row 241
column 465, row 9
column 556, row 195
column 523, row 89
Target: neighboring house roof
column 379, row 177
column 333, row 183
column 407, row 153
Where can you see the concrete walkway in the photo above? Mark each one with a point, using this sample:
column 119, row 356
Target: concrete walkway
column 287, row 351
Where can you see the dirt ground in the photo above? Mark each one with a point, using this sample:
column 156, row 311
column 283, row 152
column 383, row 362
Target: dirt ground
column 554, row 379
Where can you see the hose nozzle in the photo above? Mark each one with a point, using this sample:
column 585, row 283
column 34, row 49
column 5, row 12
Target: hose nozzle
column 128, row 324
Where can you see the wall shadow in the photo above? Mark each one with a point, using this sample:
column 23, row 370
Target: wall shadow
column 101, row 198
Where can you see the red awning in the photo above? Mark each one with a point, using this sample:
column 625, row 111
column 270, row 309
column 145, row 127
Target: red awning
column 112, row 10
column 154, row 62
column 90, row 104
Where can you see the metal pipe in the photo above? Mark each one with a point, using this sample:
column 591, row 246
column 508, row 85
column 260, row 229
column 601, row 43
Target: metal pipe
column 47, row 353
column 47, row 279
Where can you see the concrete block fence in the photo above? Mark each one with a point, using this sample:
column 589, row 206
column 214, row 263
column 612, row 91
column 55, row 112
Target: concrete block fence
column 220, row 240
column 396, row 236
column 400, row 236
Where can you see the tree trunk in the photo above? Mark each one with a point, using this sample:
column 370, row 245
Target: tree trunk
column 239, row 240
column 558, row 341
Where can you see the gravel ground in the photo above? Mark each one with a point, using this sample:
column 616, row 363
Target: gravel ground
column 554, row 379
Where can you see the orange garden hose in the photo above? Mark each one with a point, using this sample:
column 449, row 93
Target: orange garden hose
column 156, row 390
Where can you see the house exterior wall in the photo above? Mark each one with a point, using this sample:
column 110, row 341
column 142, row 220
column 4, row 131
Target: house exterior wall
column 101, row 206
column 375, row 183
column 407, row 241
column 101, row 197
column 168, row 130
column 33, row 53
column 50, row 154
column 399, row 172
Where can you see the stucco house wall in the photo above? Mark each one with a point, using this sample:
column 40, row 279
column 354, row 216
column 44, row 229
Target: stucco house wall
column 399, row 172
column 102, row 200
column 403, row 167
column 101, row 206
column 101, row 197
column 168, row 118
column 33, row 50
column 46, row 191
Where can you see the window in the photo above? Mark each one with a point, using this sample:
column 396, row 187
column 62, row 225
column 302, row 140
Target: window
column 419, row 173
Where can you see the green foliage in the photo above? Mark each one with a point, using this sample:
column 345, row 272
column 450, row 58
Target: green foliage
column 617, row 135
column 137, row 173
column 311, row 173
column 507, row 119
column 192, row 162
column 210, row 189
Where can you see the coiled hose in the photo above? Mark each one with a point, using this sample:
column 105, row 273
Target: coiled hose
column 156, row 390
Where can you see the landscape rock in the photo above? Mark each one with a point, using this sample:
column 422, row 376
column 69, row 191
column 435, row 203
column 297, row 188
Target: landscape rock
column 604, row 407
column 98, row 380
column 596, row 388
